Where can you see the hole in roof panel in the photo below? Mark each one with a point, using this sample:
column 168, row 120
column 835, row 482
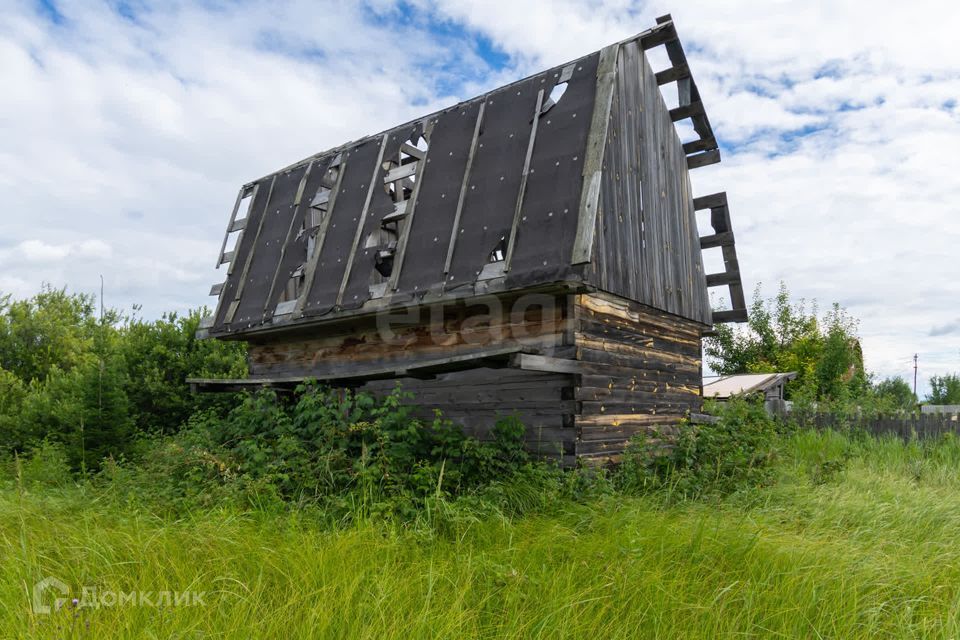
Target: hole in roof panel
column 558, row 91
column 555, row 95
column 383, row 262
column 499, row 252
column 293, row 286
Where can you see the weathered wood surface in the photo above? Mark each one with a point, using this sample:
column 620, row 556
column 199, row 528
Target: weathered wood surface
column 648, row 247
column 920, row 426
column 476, row 399
column 407, row 341
column 585, row 375
column 647, row 377
column 587, row 191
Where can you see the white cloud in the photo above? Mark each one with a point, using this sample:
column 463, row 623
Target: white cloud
column 38, row 251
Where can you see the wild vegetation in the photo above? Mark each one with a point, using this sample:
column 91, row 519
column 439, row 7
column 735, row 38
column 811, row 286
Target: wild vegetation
column 823, row 350
column 328, row 513
column 847, row 537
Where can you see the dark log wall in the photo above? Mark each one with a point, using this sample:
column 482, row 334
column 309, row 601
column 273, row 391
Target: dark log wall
column 642, row 370
column 476, row 399
column 648, row 247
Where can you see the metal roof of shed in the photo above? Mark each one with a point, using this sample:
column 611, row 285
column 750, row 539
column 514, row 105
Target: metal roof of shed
column 743, row 384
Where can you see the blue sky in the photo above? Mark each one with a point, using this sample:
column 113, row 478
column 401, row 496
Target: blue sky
column 126, row 128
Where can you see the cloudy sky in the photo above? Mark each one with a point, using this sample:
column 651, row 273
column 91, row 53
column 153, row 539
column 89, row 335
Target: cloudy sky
column 126, row 129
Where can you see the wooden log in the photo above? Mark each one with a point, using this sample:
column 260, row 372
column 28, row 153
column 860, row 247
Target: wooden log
column 672, row 74
column 704, row 159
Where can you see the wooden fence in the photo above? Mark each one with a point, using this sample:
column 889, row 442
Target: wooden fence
column 907, row 427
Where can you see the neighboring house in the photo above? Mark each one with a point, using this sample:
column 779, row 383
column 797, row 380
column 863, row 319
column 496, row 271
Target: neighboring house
column 533, row 251
column 771, row 385
column 935, row 409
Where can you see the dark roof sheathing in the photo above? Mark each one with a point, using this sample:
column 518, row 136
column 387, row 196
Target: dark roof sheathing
column 546, row 224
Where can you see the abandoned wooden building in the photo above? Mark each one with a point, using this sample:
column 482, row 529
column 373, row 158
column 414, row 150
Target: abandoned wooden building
column 533, row 251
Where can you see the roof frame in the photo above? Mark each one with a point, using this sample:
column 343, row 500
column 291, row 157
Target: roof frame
column 705, row 150
column 723, row 237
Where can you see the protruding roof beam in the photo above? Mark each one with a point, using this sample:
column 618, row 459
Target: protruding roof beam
column 689, row 102
column 723, row 237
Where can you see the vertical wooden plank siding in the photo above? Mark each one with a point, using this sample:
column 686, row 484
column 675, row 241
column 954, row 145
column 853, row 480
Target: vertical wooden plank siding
column 649, row 248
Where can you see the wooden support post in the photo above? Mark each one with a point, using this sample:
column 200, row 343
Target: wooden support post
column 321, row 236
column 463, row 187
column 523, row 183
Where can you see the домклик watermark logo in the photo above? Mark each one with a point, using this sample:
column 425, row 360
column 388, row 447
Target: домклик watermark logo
column 52, row 594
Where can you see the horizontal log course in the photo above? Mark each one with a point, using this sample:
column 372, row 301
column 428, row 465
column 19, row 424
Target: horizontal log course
column 408, row 340
column 638, row 335
column 634, row 314
column 648, row 407
column 654, row 434
column 638, row 397
column 646, row 353
column 691, row 368
column 600, row 386
column 627, row 419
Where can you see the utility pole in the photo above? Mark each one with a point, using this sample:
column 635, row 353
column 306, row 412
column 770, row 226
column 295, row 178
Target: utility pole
column 916, row 356
column 100, row 375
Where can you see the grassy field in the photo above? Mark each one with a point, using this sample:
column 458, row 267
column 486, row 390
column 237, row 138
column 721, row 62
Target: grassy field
column 853, row 540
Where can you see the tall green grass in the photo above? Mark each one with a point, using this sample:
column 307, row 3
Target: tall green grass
column 858, row 538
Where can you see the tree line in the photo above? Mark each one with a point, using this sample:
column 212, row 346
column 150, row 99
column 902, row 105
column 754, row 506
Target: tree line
column 94, row 381
column 823, row 349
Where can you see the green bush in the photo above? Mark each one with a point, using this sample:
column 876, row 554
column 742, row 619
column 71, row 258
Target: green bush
column 352, row 453
column 93, row 382
column 160, row 355
column 735, row 452
column 44, row 465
